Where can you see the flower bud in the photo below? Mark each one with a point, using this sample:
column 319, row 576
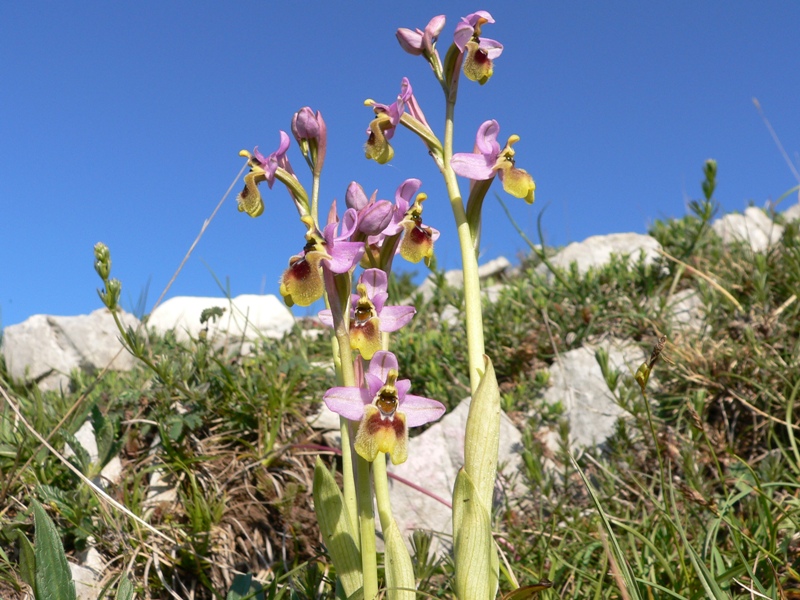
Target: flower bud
column 102, row 260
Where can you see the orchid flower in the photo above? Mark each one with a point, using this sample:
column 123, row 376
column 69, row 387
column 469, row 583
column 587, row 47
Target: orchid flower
column 384, row 408
column 489, row 160
column 369, row 317
column 419, row 238
column 416, row 244
column 381, row 129
column 302, row 282
column 480, row 51
column 266, row 169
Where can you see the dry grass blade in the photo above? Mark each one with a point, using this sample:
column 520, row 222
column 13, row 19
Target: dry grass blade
column 96, row 489
column 705, row 277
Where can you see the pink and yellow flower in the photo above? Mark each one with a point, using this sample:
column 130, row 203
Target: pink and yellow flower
column 384, row 409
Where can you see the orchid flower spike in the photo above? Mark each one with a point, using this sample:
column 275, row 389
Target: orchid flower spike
column 489, row 160
column 384, row 409
column 369, row 317
column 480, row 51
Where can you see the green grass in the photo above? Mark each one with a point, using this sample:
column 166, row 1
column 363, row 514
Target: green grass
column 696, row 494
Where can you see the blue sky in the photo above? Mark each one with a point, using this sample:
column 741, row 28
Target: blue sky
column 121, row 122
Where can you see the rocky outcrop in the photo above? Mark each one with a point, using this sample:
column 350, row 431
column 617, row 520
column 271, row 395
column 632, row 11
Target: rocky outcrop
column 753, row 227
column 577, row 382
column 596, row 251
column 244, row 317
column 45, row 349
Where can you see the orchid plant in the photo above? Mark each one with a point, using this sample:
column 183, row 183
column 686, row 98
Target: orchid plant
column 375, row 405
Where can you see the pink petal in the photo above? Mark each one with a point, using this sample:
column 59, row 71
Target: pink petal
column 375, row 280
column 410, row 41
column 420, row 410
column 486, row 139
column 355, row 197
column 493, row 48
column 326, row 317
column 382, row 362
column 374, row 383
column 343, row 256
column 347, row 401
column 375, row 218
column 462, row 34
column 394, row 317
column 472, row 166
column 402, row 385
column 434, row 27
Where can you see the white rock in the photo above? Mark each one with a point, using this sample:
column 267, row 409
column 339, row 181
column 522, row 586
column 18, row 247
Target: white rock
column 46, row 348
column 87, row 582
column 247, row 316
column 596, row 251
column 578, row 383
column 686, row 311
column 324, row 419
column 85, row 436
column 455, row 278
column 451, row 315
column 434, row 458
column 792, row 213
column 753, row 227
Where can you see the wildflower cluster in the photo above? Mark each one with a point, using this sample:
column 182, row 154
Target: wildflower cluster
column 369, row 234
column 374, row 403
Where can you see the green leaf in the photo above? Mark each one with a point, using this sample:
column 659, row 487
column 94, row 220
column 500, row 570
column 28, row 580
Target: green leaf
column 482, row 437
column 53, row 577
column 616, row 551
column 338, row 533
column 477, row 565
column 82, row 460
column 104, row 434
column 244, row 588
column 400, row 582
column 27, row 562
column 124, row 589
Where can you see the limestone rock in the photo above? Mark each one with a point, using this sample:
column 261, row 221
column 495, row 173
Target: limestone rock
column 596, row 251
column 87, row 582
column 112, row 471
column 455, row 278
column 434, row 458
column 46, row 348
column 686, row 311
column 578, row 383
column 247, row 317
column 792, row 213
column 753, row 227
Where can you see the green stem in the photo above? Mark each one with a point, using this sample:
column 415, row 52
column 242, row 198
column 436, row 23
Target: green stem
column 348, row 378
column 366, row 520
column 381, row 482
column 315, row 201
column 469, row 259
